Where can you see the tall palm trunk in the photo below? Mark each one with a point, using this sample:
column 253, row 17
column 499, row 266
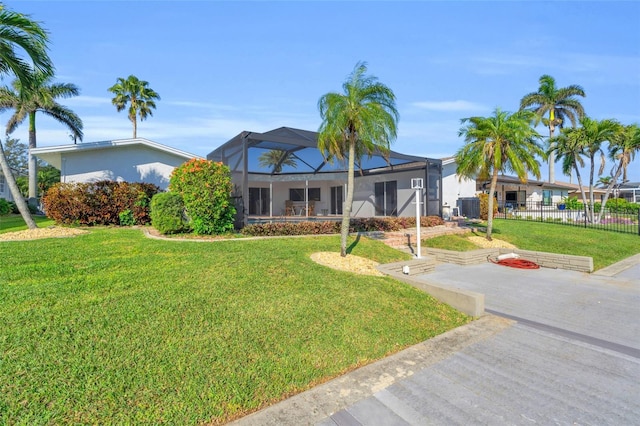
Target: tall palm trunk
column 552, row 155
column 348, row 204
column 592, row 204
column 492, row 190
column 33, row 164
column 135, row 126
column 15, row 191
column 584, row 196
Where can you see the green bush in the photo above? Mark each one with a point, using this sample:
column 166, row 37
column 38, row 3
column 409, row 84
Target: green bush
column 5, row 207
column 168, row 214
column 205, row 187
column 484, row 206
column 126, row 218
column 572, row 203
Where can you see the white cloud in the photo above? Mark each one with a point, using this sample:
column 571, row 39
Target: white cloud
column 459, row 105
column 88, row 101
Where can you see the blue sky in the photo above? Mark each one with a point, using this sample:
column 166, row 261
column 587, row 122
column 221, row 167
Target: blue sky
column 225, row 67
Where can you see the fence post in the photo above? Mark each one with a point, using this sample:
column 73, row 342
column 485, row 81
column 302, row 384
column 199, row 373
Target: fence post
column 638, row 222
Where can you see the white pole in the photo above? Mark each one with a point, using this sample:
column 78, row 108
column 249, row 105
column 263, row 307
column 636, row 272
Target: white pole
column 418, row 253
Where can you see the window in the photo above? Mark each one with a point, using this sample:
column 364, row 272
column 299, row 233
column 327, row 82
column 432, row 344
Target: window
column 337, row 199
column 1, row 184
column 259, row 201
column 546, row 197
column 297, row 194
column 386, row 202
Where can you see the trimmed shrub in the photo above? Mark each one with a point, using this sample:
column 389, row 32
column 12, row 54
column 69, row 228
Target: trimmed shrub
column 5, row 207
column 168, row 214
column 484, row 206
column 376, row 224
column 205, row 187
column 98, row 203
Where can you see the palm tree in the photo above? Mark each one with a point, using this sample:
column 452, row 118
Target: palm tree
column 137, row 95
column 360, row 121
column 38, row 95
column 18, row 32
column 275, row 159
column 502, row 142
column 559, row 104
column 623, row 148
column 604, row 181
column 592, row 134
column 568, row 148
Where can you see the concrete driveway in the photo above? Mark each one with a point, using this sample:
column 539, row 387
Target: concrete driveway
column 558, row 347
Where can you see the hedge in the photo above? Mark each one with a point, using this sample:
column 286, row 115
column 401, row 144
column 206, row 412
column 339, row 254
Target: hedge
column 99, row 203
column 384, row 224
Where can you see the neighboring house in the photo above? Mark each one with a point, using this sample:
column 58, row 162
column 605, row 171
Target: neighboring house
column 511, row 192
column 130, row 160
column 303, row 183
column 630, row 191
column 454, row 188
column 4, row 189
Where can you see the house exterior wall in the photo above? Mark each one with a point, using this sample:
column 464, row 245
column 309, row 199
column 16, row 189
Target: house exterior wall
column 127, row 163
column 364, row 201
column 534, row 193
column 452, row 188
column 364, row 193
column 4, row 189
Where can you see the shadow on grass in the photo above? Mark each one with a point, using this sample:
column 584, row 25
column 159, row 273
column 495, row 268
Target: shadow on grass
column 353, row 244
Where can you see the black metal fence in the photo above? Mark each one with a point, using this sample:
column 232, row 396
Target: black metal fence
column 624, row 218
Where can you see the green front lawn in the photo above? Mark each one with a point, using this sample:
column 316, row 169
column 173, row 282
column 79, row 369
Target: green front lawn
column 112, row 327
column 604, row 247
column 14, row 222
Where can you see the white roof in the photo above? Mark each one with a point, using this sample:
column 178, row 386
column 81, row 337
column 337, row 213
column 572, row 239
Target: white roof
column 53, row 154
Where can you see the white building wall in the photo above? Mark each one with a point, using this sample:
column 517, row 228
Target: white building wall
column 127, row 163
column 4, row 189
column 452, row 188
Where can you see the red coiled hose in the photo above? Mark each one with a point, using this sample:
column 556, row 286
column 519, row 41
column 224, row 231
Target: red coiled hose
column 516, row 263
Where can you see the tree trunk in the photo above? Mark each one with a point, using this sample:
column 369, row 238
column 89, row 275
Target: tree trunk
column 615, row 178
column 33, row 164
column 492, row 190
column 592, row 209
column 15, row 192
column 552, row 155
column 135, row 126
column 584, row 197
column 348, row 204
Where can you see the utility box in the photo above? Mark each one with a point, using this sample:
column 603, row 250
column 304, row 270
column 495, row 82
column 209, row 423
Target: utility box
column 469, row 207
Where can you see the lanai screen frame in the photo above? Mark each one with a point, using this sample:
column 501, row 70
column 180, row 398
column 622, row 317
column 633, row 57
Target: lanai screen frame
column 238, row 154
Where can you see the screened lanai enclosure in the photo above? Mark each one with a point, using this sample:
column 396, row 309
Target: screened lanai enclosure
column 282, row 175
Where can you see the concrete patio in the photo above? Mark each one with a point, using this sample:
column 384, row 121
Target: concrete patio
column 556, row 347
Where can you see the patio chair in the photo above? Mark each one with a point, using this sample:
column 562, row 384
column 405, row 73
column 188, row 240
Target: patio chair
column 289, row 210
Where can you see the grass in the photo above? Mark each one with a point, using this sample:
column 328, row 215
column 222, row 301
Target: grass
column 604, row 247
column 112, row 327
column 14, row 222
column 455, row 242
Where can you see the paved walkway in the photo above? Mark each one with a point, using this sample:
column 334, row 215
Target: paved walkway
column 559, row 347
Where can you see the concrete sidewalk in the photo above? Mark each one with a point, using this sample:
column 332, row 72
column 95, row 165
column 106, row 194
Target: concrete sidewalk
column 561, row 348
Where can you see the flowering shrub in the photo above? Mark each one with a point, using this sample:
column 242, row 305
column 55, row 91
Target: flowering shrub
column 205, row 187
column 99, row 203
